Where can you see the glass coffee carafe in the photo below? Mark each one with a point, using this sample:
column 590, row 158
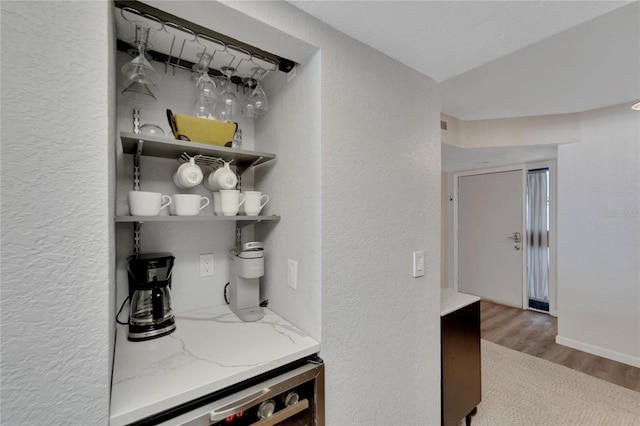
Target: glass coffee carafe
column 151, row 306
column 150, row 313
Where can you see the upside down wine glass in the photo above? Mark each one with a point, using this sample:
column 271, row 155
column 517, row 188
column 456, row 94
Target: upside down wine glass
column 141, row 76
column 226, row 106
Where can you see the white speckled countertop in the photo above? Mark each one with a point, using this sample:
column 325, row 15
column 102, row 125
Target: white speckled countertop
column 210, row 350
column 451, row 300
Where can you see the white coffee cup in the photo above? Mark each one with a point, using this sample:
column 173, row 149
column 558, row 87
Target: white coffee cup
column 188, row 175
column 217, row 204
column 222, row 178
column 230, row 201
column 254, row 201
column 189, row 204
column 142, row 203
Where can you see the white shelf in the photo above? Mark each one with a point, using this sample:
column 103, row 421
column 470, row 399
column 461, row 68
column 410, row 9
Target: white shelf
column 131, row 219
column 173, row 148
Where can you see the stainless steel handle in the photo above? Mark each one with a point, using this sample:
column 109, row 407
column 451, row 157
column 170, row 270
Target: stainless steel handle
column 517, row 237
column 236, row 406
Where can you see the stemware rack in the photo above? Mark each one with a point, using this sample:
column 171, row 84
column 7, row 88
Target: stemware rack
column 182, row 44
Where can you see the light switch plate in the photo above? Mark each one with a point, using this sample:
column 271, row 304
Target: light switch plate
column 206, row 265
column 418, row 264
column 292, row 274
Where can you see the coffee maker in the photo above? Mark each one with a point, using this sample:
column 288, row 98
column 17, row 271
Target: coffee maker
column 247, row 266
column 150, row 311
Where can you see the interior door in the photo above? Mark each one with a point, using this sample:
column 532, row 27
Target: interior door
column 490, row 232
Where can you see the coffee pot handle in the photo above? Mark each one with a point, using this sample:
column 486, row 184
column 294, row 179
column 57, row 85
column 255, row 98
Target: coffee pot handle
column 157, row 303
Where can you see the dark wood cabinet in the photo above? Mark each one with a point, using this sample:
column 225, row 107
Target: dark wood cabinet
column 460, row 356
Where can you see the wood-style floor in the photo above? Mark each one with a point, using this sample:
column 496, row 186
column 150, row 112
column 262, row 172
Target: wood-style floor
column 534, row 333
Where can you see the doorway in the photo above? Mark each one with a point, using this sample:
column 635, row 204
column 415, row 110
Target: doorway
column 460, row 212
column 490, row 229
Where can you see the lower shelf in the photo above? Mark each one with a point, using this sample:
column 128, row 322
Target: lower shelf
column 131, row 219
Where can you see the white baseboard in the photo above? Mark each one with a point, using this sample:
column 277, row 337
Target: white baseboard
column 596, row 350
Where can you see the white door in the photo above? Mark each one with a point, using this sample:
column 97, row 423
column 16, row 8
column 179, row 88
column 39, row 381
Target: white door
column 490, row 254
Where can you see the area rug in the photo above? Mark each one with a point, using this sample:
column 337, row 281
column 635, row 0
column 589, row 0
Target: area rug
column 520, row 389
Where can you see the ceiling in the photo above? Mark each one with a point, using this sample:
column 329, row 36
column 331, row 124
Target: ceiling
column 499, row 59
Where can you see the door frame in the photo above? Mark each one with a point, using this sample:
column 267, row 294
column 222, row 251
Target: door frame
column 517, row 167
column 552, row 165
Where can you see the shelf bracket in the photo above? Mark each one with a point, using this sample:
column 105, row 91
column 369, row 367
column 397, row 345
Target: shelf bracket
column 136, row 166
column 136, row 121
column 136, row 237
column 136, row 156
column 238, row 235
column 253, row 164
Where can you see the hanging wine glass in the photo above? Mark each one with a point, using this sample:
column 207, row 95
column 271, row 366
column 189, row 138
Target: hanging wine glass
column 248, row 107
column 226, row 106
column 141, row 76
column 258, row 96
column 205, row 88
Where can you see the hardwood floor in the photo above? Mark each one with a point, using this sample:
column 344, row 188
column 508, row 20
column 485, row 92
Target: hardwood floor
column 534, row 333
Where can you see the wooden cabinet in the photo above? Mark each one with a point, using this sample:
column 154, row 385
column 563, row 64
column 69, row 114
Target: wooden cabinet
column 460, row 356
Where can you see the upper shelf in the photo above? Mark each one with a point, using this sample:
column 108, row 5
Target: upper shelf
column 173, row 148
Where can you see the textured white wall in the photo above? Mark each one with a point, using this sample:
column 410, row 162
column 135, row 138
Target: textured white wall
column 292, row 130
column 57, row 266
column 599, row 236
column 380, row 173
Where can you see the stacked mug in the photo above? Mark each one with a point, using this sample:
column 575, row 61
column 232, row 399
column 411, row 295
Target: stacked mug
column 226, row 199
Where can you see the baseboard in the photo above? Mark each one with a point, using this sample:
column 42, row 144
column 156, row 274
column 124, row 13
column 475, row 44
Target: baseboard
column 596, row 350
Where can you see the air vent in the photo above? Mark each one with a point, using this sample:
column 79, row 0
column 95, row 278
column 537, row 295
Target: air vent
column 443, row 125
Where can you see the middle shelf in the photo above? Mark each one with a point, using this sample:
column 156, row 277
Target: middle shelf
column 130, row 219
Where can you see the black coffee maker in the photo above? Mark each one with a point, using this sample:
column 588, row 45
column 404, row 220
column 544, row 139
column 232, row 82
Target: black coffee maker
column 150, row 312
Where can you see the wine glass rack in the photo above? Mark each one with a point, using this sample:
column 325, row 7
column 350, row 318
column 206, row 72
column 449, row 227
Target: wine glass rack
column 185, row 45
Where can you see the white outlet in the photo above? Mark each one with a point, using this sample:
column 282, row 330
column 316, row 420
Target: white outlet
column 292, row 274
column 206, row 265
column 418, row 264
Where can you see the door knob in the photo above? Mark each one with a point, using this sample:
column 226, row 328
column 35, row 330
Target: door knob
column 517, row 247
column 517, row 237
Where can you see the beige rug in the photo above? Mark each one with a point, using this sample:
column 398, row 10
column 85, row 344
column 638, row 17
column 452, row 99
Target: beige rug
column 519, row 389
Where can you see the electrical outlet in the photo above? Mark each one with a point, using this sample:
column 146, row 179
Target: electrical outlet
column 292, row 274
column 206, row 265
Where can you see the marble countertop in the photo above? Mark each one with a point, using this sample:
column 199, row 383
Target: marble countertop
column 210, row 350
column 451, row 300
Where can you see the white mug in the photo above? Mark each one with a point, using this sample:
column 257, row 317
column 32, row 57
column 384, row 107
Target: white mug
column 189, row 204
column 230, row 201
column 188, row 175
column 217, row 204
column 142, row 203
column 222, row 178
column 254, row 201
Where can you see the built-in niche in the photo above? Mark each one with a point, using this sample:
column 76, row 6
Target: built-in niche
column 290, row 130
